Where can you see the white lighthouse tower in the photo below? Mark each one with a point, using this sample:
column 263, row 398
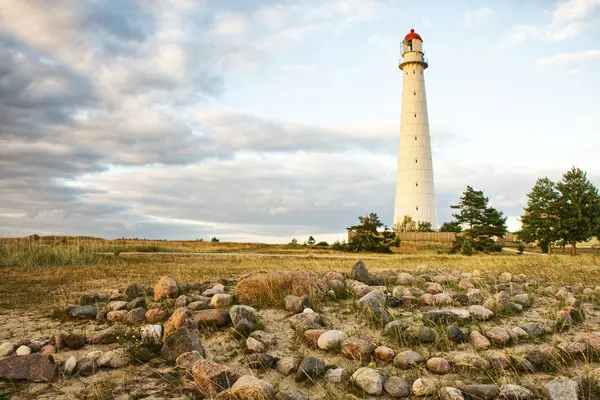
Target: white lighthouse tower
column 415, row 191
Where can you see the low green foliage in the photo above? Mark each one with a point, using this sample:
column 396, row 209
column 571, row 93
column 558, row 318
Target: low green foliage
column 32, row 255
column 368, row 238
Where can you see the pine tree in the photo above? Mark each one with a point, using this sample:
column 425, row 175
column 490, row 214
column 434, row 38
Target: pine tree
column 368, row 238
column 311, row 241
column 483, row 222
column 541, row 222
column 452, row 226
column 424, row 226
column 579, row 205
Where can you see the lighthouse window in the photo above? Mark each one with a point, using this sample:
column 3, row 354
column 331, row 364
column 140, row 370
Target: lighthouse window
column 415, row 160
column 415, row 115
column 417, row 207
column 414, row 72
column 414, row 93
column 416, row 184
column 415, row 138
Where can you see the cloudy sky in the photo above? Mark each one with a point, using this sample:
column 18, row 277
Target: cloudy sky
column 266, row 120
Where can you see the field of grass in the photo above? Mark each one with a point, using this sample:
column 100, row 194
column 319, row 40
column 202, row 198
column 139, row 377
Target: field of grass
column 58, row 274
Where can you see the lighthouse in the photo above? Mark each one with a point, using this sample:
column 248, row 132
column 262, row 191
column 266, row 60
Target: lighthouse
column 415, row 190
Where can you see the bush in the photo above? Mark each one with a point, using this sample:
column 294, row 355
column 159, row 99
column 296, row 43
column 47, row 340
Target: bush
column 339, row 246
column 521, row 248
column 323, row 244
column 462, row 245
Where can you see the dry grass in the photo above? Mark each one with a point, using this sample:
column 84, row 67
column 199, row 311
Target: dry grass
column 62, row 273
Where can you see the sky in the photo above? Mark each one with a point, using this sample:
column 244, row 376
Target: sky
column 266, row 120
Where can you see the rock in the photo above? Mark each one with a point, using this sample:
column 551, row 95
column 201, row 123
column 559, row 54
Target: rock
column 116, row 305
column 523, row 299
column 310, row 368
column 423, row 334
column 70, row 365
column 443, row 317
column 563, row 321
column 373, row 303
column 212, row 291
column 249, row 387
column 475, row 296
column 442, row 299
column 286, row 365
column 166, row 287
column 515, row 392
column 84, row 312
column 297, row 304
column 450, row 393
column 137, row 303
column 211, row 378
column 151, row 332
column 407, row 359
column 254, row 346
column 31, row 367
column 423, row 387
column 456, row 334
column 305, row 321
column 331, row 340
column 181, row 317
column 106, row 336
column 404, row 278
column 434, row 288
column 238, row 312
column 221, row 300
column 268, row 339
column 498, row 335
column 478, row 341
column 134, row 290
column 533, row 329
column 86, row 367
column 480, row 313
column 427, row 299
column 384, row 353
column 47, row 350
column 94, row 355
column 74, row 341
column 92, row 297
column 438, row 365
column 182, row 301
column 519, row 333
column 213, row 317
column 575, row 350
column 336, row 375
column 135, row 316
column 116, row 316
column 187, row 360
column 396, row 387
column 312, row 336
column 394, row 329
column 498, row 360
column 6, row 348
column 337, row 286
column 481, row 392
column 369, row 380
column 357, row 348
column 279, row 284
column 561, row 388
column 23, row 351
column 199, row 304
column 155, row 315
column 243, row 329
column 360, row 273
column 113, row 359
column 469, row 361
column 260, row 361
column 182, row 341
column 593, row 341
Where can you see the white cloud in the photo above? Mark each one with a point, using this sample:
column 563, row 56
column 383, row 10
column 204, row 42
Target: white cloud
column 478, row 17
column 230, row 24
column 573, row 10
column 569, row 58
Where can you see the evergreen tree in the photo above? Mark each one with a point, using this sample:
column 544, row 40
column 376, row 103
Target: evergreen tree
column 541, row 222
column 484, row 223
column 368, row 238
column 452, row 226
column 424, row 226
column 579, row 205
column 311, row 241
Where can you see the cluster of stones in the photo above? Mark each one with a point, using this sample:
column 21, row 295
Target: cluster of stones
column 429, row 309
